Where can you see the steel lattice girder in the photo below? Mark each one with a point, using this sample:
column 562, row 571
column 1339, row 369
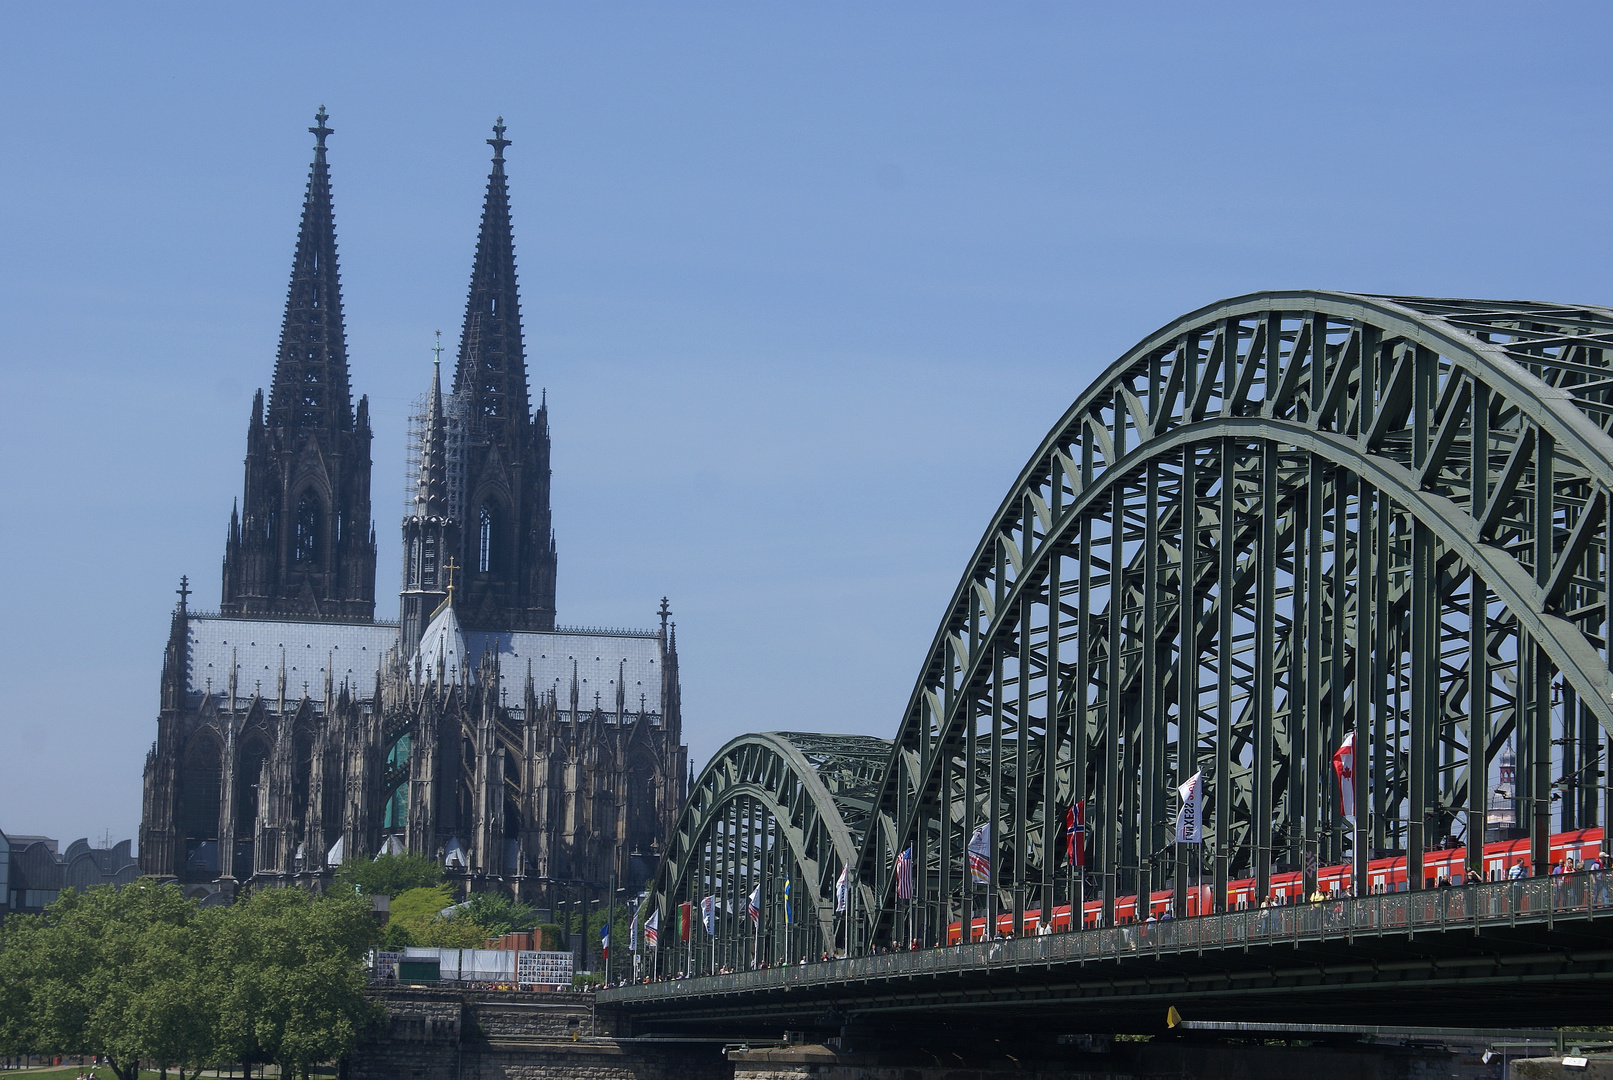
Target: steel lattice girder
column 769, row 807
column 1355, row 487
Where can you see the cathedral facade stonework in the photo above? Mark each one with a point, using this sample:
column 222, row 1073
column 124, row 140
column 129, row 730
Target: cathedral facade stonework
column 295, row 731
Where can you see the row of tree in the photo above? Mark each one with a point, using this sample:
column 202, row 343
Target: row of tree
column 150, row 979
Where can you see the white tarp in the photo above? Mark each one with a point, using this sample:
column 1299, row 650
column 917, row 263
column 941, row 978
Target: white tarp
column 495, row 965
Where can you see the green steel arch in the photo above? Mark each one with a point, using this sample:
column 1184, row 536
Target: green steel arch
column 768, row 809
column 1277, row 520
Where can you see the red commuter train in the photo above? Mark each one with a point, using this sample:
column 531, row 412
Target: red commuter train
column 1383, row 876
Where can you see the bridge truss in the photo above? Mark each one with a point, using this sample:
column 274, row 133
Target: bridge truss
column 769, row 809
column 1276, row 521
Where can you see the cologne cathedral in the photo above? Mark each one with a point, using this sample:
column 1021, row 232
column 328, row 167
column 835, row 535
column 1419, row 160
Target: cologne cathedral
column 297, row 731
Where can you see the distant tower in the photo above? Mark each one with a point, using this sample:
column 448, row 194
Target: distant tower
column 430, row 533
column 302, row 543
column 507, row 540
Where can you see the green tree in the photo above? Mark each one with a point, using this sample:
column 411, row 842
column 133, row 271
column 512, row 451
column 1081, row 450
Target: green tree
column 499, row 913
column 285, row 970
column 419, row 914
column 110, row 971
column 388, row 875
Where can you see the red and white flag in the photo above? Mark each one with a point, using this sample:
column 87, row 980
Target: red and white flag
column 904, row 874
column 1075, row 834
column 755, row 906
column 980, row 855
column 651, row 929
column 1344, row 765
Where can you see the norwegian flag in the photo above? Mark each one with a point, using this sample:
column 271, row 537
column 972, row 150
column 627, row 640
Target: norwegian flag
column 1075, row 834
column 904, row 874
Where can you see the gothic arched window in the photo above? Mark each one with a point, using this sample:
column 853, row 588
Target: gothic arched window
column 305, row 548
column 414, row 561
column 484, row 543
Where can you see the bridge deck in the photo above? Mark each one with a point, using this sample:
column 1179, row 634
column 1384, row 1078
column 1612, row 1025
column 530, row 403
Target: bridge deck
column 1539, row 938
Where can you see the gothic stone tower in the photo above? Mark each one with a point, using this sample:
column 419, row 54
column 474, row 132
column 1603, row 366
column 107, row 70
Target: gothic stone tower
column 508, row 541
column 303, row 543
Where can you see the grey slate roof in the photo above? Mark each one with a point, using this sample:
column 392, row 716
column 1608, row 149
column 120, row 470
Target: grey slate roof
column 598, row 659
column 355, row 651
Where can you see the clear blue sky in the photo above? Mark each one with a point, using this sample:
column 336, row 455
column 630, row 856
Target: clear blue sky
column 806, row 284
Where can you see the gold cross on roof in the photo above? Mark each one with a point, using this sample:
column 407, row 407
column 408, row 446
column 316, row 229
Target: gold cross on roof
column 450, row 566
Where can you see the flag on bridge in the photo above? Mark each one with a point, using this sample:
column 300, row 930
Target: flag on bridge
column 1190, row 819
column 904, row 874
column 1075, row 834
column 708, row 915
column 1344, row 765
column 652, row 929
column 789, row 910
column 685, row 919
column 755, row 906
column 980, row 855
column 604, row 941
column 842, row 888
column 632, row 934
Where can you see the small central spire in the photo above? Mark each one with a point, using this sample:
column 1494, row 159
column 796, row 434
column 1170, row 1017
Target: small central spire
column 498, row 142
column 322, row 131
column 436, row 352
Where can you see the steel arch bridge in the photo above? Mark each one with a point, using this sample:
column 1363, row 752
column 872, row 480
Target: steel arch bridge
column 768, row 809
column 1276, row 521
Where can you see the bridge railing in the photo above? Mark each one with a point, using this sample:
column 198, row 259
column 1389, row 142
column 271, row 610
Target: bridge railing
column 1531, row 900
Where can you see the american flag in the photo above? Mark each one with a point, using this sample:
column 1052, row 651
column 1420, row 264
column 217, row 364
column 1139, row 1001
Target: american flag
column 756, row 904
column 904, row 874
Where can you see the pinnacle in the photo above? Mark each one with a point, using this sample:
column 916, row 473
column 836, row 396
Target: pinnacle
column 311, row 387
column 492, row 357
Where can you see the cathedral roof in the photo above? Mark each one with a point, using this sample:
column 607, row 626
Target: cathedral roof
column 353, row 651
column 597, row 660
column 443, row 640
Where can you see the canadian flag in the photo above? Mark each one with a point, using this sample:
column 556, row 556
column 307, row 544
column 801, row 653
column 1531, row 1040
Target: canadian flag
column 1344, row 765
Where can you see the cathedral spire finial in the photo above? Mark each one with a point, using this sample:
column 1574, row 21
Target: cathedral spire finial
column 498, row 142
column 321, row 131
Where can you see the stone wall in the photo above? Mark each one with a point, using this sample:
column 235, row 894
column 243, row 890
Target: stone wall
column 460, row 1035
column 1161, row 1060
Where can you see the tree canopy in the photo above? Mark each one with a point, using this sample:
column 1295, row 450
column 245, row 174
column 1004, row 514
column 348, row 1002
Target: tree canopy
column 149, row 978
column 430, row 917
column 387, row 875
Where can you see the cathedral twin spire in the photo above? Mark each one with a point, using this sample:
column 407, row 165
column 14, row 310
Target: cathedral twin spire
column 310, row 388
column 491, row 375
column 302, row 543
